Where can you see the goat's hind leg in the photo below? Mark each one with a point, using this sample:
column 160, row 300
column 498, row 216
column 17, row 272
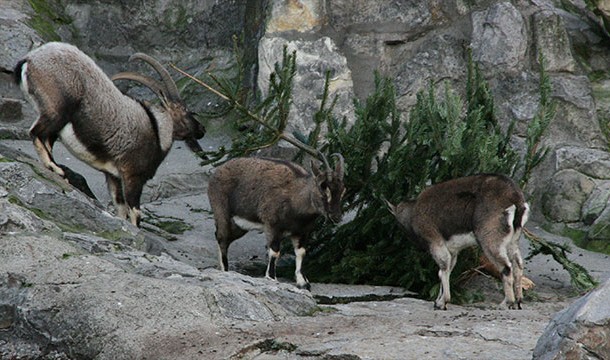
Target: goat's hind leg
column 226, row 233
column 273, row 248
column 517, row 263
column 445, row 262
column 226, row 229
column 44, row 148
column 46, row 128
column 496, row 242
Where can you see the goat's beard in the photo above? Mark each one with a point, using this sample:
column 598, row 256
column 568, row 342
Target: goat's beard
column 193, row 144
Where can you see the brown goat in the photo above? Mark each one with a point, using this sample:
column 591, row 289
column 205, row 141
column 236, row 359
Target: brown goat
column 278, row 197
column 486, row 209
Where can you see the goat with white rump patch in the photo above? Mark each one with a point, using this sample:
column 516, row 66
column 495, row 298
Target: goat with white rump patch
column 450, row 216
column 278, row 197
column 125, row 139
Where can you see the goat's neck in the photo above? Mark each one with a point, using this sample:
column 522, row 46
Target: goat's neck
column 165, row 127
column 311, row 201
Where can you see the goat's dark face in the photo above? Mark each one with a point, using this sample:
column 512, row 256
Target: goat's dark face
column 332, row 190
column 186, row 127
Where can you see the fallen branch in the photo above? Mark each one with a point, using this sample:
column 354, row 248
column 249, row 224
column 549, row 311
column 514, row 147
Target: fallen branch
column 280, row 135
column 579, row 276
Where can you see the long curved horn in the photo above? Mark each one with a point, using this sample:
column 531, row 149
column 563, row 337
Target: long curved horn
column 340, row 167
column 170, row 86
column 327, row 169
column 147, row 81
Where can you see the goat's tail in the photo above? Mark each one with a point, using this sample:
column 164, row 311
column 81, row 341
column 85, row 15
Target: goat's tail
column 17, row 71
column 522, row 214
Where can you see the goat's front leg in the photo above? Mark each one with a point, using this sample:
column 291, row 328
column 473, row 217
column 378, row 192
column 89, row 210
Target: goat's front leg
column 132, row 188
column 273, row 245
column 115, row 188
column 299, row 252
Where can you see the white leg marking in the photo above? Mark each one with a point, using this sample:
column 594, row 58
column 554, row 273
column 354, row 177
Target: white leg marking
column 273, row 256
column 444, row 260
column 134, row 215
column 300, row 254
column 445, row 275
column 506, row 252
column 517, row 263
column 222, row 265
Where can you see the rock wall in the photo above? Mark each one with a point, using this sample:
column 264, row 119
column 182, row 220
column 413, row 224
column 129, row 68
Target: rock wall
column 580, row 331
column 412, row 41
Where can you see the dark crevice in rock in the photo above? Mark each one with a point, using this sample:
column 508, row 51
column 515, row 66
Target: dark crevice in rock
column 333, row 300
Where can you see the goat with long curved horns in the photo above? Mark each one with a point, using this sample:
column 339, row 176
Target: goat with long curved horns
column 280, row 198
column 124, row 138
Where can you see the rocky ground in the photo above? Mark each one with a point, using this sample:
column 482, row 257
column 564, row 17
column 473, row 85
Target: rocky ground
column 186, row 309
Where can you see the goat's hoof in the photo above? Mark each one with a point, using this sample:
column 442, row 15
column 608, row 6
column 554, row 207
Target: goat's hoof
column 440, row 307
column 515, row 306
column 305, row 286
column 511, row 305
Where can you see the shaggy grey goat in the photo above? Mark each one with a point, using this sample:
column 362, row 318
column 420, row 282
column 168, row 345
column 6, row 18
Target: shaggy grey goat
column 124, row 138
column 275, row 196
column 486, row 209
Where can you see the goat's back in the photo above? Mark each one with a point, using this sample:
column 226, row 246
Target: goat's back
column 457, row 205
column 251, row 186
column 64, row 81
column 67, row 86
column 66, row 69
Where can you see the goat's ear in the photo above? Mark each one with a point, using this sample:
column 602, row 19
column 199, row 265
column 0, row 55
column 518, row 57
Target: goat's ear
column 391, row 207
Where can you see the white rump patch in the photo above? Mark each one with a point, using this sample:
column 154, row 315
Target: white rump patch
column 24, row 78
column 526, row 215
column 78, row 149
column 274, row 254
column 222, row 265
column 25, row 88
column 247, row 224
